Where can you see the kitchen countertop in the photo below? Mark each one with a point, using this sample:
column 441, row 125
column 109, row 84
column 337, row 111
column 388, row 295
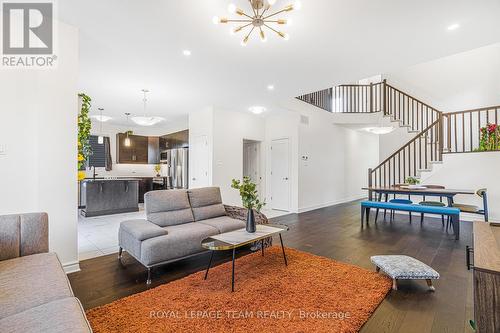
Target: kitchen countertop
column 91, row 180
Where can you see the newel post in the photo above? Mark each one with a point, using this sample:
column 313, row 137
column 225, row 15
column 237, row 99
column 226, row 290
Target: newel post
column 370, row 194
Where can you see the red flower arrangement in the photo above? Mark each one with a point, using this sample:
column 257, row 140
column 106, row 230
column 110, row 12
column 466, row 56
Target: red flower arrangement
column 490, row 137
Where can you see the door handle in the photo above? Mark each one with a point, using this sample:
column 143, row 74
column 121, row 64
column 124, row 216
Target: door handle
column 468, row 251
column 286, row 178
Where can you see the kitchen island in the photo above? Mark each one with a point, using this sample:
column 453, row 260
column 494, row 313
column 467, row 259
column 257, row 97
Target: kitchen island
column 109, row 196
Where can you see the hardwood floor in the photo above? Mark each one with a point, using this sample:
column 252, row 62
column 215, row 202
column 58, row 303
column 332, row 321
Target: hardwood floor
column 333, row 232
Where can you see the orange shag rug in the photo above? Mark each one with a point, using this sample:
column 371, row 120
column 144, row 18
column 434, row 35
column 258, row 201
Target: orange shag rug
column 312, row 294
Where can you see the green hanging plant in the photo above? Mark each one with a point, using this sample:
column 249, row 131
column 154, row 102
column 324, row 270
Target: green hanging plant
column 84, row 127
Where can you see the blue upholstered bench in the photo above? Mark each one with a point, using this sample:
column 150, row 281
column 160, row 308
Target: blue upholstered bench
column 453, row 213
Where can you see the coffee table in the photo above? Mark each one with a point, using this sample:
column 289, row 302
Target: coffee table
column 238, row 238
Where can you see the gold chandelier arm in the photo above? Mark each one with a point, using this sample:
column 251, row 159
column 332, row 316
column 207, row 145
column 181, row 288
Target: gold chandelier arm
column 241, row 27
column 265, row 10
column 246, row 15
column 251, row 5
column 244, row 21
column 251, row 31
column 274, row 14
column 276, row 31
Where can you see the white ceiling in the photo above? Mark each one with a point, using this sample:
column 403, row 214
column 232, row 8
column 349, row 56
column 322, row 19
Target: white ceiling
column 127, row 45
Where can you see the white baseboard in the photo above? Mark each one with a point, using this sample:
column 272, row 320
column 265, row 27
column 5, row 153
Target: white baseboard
column 71, row 267
column 332, row 203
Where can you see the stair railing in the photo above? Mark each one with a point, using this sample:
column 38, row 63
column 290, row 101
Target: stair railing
column 410, row 111
column 463, row 128
column 416, row 155
column 348, row 98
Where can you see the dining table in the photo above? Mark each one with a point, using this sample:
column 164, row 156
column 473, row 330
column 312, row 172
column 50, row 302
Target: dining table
column 447, row 193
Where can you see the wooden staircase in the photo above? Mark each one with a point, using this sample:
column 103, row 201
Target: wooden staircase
column 436, row 133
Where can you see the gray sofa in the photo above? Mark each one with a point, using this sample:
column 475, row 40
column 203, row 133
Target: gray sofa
column 177, row 222
column 35, row 294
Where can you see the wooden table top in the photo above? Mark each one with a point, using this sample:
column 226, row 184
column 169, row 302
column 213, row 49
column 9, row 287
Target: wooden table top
column 487, row 246
column 426, row 191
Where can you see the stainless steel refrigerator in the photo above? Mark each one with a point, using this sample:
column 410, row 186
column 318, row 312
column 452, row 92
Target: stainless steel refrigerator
column 177, row 162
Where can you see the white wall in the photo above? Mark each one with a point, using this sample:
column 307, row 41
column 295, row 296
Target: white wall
column 470, row 171
column 124, row 170
column 462, row 81
column 338, row 159
column 230, row 129
column 38, row 131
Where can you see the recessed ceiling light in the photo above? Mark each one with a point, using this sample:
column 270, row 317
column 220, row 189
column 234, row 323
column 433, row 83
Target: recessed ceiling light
column 257, row 109
column 187, row 53
column 270, row 87
column 379, row 130
column 453, row 26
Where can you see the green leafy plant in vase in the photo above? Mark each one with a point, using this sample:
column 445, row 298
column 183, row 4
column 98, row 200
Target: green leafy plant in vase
column 250, row 199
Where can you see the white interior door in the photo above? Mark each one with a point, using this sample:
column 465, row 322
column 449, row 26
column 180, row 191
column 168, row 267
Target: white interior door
column 251, row 162
column 199, row 159
column 280, row 175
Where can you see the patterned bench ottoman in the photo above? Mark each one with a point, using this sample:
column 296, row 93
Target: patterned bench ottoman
column 400, row 267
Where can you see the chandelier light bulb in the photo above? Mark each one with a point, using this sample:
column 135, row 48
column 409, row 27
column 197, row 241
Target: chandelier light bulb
column 297, row 5
column 231, row 8
column 244, row 42
column 271, row 2
column 215, row 20
column 286, row 36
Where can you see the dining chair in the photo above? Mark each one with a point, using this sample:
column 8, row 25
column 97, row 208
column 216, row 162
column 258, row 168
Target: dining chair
column 397, row 201
column 439, row 203
column 482, row 193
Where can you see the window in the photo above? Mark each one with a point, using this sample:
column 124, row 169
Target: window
column 98, row 157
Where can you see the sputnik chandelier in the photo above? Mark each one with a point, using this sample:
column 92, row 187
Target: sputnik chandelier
column 260, row 19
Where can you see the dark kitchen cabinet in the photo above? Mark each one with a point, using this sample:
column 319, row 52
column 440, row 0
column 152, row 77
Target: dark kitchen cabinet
column 136, row 153
column 175, row 140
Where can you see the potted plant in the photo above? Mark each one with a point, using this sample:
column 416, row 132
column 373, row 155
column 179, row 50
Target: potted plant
column 158, row 170
column 412, row 182
column 250, row 200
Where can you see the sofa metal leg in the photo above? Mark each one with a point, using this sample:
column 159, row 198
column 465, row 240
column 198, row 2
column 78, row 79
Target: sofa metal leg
column 148, row 281
column 232, row 273
column 209, row 264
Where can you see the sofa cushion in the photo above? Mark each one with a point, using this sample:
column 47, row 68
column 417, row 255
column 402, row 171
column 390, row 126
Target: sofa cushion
column 181, row 240
column 23, row 234
column 30, row 281
column 206, row 203
column 224, row 223
column 142, row 229
column 63, row 315
column 168, row 207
